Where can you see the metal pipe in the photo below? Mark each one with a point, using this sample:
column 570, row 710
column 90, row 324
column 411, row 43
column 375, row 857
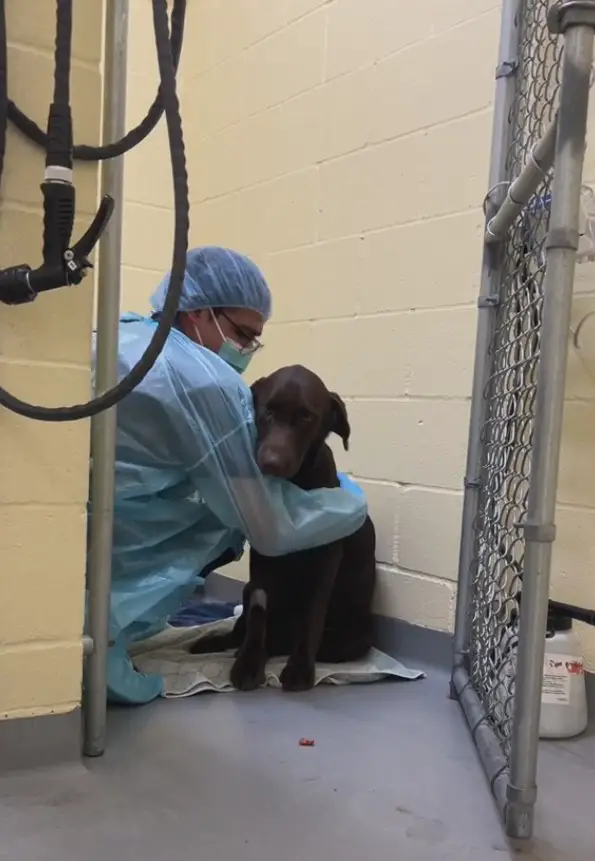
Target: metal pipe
column 488, row 746
column 103, row 427
column 490, row 285
column 561, row 245
column 524, row 186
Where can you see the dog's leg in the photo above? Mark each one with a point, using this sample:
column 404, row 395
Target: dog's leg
column 299, row 672
column 247, row 672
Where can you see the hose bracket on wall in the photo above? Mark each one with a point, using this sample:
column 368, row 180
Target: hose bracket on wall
column 22, row 284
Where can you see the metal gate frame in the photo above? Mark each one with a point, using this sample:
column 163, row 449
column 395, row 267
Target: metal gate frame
column 530, row 245
column 103, row 425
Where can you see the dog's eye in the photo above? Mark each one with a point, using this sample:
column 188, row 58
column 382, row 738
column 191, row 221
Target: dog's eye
column 268, row 415
column 305, row 416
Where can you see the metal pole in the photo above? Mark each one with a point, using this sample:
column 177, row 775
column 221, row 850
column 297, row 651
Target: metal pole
column 524, row 186
column 488, row 745
column 103, row 427
column 487, row 303
column 539, row 527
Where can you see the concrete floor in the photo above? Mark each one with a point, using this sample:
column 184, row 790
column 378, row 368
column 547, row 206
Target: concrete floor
column 393, row 777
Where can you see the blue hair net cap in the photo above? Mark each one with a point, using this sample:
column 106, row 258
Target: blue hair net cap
column 218, row 278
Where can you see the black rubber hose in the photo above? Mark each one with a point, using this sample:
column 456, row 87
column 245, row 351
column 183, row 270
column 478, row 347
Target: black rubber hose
column 82, row 152
column 59, row 136
column 167, row 74
column 62, row 54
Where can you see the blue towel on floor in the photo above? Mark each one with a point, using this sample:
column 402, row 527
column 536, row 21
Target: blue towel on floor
column 200, row 612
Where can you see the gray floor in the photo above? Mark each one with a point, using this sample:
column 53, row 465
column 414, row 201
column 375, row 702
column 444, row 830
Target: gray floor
column 393, row 775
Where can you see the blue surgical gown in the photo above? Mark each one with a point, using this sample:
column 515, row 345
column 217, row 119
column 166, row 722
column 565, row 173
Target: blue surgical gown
column 188, row 488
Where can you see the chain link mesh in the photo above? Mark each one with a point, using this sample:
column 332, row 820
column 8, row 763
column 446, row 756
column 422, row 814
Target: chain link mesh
column 510, row 392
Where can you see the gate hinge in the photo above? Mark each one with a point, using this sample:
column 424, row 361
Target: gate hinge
column 488, row 302
column 506, row 69
column 566, row 13
column 540, row 533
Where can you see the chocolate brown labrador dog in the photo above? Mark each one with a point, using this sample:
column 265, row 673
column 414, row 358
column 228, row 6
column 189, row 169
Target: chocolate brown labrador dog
column 315, row 604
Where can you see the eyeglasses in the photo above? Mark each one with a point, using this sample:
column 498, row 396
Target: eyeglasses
column 248, row 341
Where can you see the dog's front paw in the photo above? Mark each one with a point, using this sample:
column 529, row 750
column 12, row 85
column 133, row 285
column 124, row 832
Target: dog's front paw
column 247, row 672
column 297, row 677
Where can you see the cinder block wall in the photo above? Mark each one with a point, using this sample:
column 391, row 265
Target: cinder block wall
column 345, row 146
column 573, row 568
column 44, row 359
column 319, row 142
column 148, row 196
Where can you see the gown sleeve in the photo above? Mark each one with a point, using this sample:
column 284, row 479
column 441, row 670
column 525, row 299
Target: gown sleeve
column 210, row 416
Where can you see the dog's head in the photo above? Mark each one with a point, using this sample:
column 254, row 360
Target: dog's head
column 295, row 413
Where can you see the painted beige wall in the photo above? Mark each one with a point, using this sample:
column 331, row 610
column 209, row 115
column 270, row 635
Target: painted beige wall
column 147, row 240
column 322, row 146
column 573, row 569
column 318, row 143
column 44, row 359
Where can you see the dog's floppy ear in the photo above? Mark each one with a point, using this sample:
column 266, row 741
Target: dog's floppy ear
column 339, row 419
column 255, row 388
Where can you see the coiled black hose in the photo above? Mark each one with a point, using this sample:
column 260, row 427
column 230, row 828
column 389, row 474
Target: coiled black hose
column 170, row 103
column 82, row 152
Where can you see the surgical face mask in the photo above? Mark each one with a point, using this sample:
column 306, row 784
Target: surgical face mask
column 233, row 354
column 237, row 358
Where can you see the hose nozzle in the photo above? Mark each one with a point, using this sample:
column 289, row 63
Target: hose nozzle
column 21, row 284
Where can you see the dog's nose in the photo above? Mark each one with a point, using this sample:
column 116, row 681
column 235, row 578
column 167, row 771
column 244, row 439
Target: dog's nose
column 272, row 462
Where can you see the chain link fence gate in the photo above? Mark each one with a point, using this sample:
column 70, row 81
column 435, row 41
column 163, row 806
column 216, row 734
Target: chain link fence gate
column 532, row 219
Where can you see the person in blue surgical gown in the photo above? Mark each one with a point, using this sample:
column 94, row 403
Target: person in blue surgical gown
column 189, row 493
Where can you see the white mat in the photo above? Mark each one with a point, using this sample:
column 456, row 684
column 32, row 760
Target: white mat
column 185, row 675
